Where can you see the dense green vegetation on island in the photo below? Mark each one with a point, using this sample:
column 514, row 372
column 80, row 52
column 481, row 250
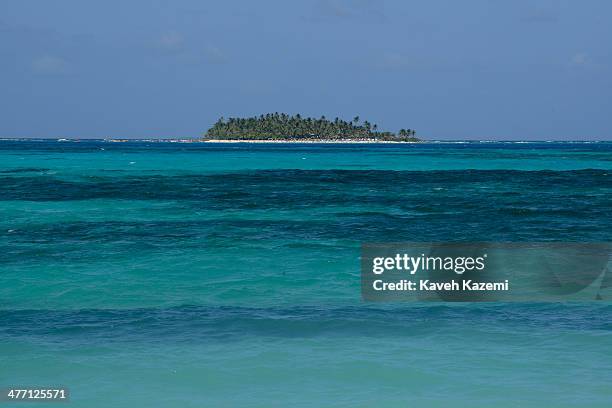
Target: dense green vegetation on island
column 280, row 126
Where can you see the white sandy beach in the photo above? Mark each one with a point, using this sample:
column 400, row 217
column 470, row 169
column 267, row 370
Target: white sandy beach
column 303, row 141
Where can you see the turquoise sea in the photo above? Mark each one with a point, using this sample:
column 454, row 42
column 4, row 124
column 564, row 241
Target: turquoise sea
column 149, row 274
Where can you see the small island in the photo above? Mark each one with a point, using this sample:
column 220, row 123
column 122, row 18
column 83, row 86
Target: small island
column 280, row 127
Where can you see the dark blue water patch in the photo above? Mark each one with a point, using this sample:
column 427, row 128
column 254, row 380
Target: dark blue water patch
column 299, row 188
column 363, row 227
column 77, row 241
column 227, row 323
column 412, row 206
column 19, row 170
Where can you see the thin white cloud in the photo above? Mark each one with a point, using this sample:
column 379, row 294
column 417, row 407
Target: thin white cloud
column 580, row 59
column 395, row 61
column 214, row 55
column 330, row 8
column 50, row 65
column 541, row 16
column 399, row 61
column 171, row 41
column 363, row 10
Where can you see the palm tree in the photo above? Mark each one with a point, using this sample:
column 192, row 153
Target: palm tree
column 280, row 125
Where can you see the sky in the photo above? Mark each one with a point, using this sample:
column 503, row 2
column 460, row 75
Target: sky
column 536, row 69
